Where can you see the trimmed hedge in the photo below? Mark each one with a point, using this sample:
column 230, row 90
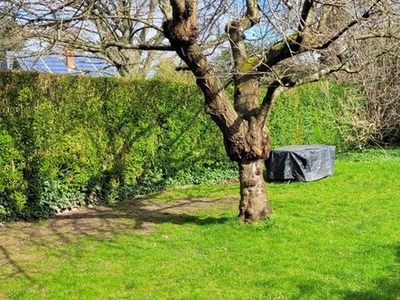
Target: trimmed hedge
column 69, row 140
column 319, row 113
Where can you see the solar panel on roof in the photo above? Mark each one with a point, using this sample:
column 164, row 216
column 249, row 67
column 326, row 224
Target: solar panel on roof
column 90, row 64
column 26, row 64
column 59, row 69
column 56, row 63
column 97, row 61
column 85, row 64
column 82, row 60
column 51, row 60
column 43, row 64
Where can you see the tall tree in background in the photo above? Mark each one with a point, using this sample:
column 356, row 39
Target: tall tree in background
column 109, row 29
column 379, row 82
column 317, row 35
column 127, row 33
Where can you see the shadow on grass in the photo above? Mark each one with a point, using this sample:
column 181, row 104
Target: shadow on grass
column 18, row 269
column 143, row 213
column 384, row 288
column 104, row 223
column 387, row 288
column 24, row 242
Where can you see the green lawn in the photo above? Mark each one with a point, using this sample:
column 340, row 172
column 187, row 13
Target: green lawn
column 337, row 238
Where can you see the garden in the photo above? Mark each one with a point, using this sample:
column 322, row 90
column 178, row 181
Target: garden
column 102, row 200
column 336, row 238
column 153, row 185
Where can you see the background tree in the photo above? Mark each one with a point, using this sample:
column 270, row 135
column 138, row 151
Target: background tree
column 109, row 29
column 127, row 33
column 318, row 33
column 379, row 82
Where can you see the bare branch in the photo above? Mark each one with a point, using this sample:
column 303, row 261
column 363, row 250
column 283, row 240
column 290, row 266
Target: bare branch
column 235, row 30
column 346, row 28
column 166, row 9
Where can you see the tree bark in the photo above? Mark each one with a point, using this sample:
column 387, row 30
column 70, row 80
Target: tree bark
column 243, row 127
column 253, row 193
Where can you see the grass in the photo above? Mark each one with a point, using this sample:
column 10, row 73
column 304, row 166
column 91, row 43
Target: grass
column 337, row 238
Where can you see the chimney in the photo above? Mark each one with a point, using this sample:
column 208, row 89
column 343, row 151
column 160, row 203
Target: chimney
column 70, row 59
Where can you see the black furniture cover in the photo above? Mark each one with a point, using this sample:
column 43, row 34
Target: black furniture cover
column 301, row 162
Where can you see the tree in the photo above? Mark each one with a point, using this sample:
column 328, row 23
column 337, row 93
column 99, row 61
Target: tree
column 109, row 29
column 379, row 83
column 127, row 33
column 319, row 35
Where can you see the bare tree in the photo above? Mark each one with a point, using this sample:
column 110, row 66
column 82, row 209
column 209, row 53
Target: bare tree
column 319, row 35
column 117, row 30
column 127, row 33
column 379, row 83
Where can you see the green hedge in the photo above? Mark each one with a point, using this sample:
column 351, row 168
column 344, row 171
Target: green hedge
column 319, row 113
column 69, row 140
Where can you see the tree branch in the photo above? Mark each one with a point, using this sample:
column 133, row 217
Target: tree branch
column 304, row 16
column 166, row 9
column 235, row 30
column 346, row 28
column 277, row 87
column 123, row 45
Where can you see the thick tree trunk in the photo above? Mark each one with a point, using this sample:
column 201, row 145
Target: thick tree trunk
column 242, row 124
column 253, row 193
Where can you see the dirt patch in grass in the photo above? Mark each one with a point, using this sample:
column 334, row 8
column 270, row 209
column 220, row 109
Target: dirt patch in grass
column 22, row 242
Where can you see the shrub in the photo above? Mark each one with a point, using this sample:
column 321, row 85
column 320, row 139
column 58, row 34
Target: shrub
column 90, row 140
column 319, row 113
column 12, row 184
column 69, row 140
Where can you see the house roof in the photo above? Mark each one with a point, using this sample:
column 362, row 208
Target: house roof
column 83, row 64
